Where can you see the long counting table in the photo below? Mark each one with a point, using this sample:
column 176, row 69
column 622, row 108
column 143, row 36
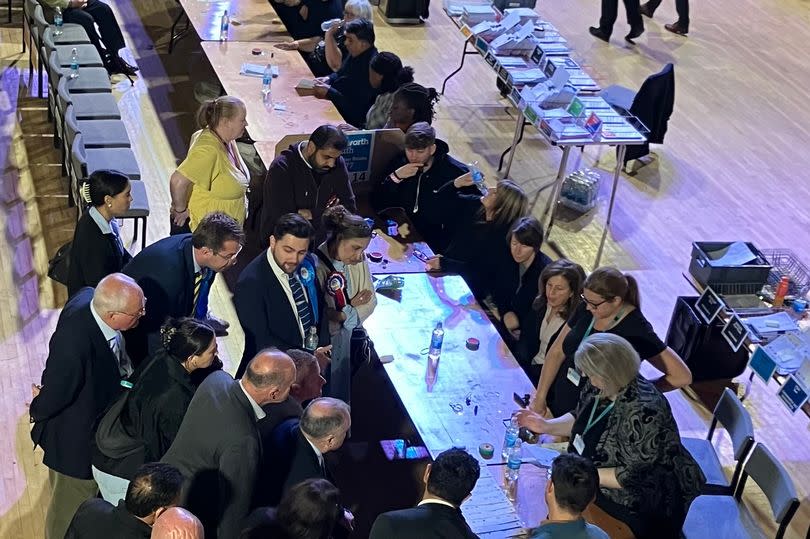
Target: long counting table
column 435, row 396
column 251, row 20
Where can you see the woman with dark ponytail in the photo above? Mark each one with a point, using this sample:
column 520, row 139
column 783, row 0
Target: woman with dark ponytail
column 345, row 277
column 610, row 304
column 387, row 75
column 97, row 249
column 156, row 404
column 412, row 103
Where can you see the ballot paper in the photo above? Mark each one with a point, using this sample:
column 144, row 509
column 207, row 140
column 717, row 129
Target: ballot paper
column 780, row 322
column 305, row 84
column 734, row 254
column 257, row 70
column 790, row 351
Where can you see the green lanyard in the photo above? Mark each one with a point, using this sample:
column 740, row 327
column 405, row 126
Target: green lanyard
column 593, row 319
column 591, row 420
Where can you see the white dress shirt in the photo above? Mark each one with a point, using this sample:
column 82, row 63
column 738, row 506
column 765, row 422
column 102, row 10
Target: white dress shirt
column 283, row 278
column 257, row 410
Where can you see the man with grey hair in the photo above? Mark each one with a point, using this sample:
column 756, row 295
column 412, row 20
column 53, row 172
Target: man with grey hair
column 217, row 447
column 85, row 366
column 178, row 523
column 307, row 386
column 298, row 446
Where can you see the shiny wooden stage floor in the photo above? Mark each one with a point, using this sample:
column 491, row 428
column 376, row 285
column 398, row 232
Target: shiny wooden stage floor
column 734, row 166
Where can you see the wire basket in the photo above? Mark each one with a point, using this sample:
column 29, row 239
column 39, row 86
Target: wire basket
column 786, row 263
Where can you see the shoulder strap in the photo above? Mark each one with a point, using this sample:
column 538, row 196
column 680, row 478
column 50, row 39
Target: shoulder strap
column 325, row 259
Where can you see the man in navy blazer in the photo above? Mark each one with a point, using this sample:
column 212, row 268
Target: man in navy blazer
column 86, row 363
column 265, row 298
column 168, row 269
column 449, row 480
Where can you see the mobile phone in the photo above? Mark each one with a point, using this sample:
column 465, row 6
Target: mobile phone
column 523, row 401
column 420, row 255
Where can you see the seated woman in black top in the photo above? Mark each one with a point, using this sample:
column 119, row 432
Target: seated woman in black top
column 611, row 304
column 624, row 425
column 520, row 288
column 97, row 249
column 413, row 103
column 479, row 251
column 559, row 293
column 163, row 388
column 303, row 20
column 349, row 88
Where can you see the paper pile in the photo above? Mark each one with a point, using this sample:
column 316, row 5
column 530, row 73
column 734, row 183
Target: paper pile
column 473, row 14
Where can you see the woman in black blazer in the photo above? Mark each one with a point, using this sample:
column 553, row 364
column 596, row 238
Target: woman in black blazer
column 97, row 249
column 558, row 296
column 479, row 251
column 155, row 407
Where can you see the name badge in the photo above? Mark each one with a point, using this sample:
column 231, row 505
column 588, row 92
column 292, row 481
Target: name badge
column 579, row 444
column 574, row 377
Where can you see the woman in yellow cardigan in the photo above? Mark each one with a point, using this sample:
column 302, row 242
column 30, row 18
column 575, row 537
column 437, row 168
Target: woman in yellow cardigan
column 213, row 176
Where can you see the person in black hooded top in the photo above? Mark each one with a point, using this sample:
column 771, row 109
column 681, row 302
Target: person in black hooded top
column 479, row 251
column 415, row 185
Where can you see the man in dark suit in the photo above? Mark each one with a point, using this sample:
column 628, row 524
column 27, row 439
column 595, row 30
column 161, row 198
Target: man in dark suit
column 218, row 448
column 277, row 298
column 448, row 482
column 154, row 488
column 86, row 363
column 176, row 274
column 297, row 448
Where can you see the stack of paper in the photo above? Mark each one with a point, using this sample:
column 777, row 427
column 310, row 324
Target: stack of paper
column 524, row 13
column 522, row 77
column 563, row 129
column 474, row 14
column 517, row 43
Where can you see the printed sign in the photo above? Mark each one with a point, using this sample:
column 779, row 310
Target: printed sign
column 793, row 395
column 762, row 364
column 593, row 124
column 358, row 155
column 709, row 305
column 735, row 332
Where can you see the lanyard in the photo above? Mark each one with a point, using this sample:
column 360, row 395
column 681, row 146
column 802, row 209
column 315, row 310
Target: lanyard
column 593, row 320
column 591, row 420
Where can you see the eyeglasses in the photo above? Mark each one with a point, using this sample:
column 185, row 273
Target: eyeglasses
column 139, row 314
column 591, row 303
column 229, row 258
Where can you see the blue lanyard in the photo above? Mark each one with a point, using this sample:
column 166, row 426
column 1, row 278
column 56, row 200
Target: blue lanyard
column 591, row 420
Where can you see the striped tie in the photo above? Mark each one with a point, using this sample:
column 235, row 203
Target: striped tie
column 202, row 285
column 116, row 231
column 301, row 303
column 124, row 364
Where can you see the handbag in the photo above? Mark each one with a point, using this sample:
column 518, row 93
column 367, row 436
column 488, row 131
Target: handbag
column 59, row 265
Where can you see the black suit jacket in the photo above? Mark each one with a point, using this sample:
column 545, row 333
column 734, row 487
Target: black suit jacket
column 429, row 521
column 265, row 313
column 165, row 272
column 93, row 255
column 218, row 451
column 98, row 519
column 289, row 459
column 80, row 380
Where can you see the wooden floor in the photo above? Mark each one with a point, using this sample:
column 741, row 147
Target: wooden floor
column 735, row 166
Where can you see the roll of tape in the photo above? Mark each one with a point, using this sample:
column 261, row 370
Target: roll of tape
column 473, row 344
column 486, row 450
column 375, row 257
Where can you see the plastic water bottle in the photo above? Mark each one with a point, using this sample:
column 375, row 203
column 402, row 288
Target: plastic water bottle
column 57, row 21
column 513, row 462
column 510, row 437
column 477, row 177
column 267, row 81
column 436, row 340
column 311, row 342
column 74, row 63
column 326, row 25
column 224, row 26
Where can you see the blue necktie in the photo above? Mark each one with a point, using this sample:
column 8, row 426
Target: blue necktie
column 116, row 231
column 202, row 286
column 301, row 303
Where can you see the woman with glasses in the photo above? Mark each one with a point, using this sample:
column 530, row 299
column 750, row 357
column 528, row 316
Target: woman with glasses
column 155, row 405
column 610, row 304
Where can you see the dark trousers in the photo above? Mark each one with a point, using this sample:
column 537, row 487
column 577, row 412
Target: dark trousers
column 98, row 13
column 610, row 10
column 681, row 6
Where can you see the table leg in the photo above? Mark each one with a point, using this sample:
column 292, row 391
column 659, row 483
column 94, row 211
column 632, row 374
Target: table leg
column 453, row 74
column 616, row 175
column 515, row 140
column 551, row 204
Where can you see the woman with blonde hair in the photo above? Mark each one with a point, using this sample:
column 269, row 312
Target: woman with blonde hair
column 479, row 251
column 624, row 425
column 213, row 176
column 610, row 304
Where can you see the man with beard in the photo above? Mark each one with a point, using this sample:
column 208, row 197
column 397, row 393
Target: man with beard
column 305, row 179
column 277, row 297
column 416, row 181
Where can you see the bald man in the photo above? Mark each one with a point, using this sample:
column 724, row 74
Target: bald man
column 177, row 523
column 217, row 447
column 297, row 447
column 85, row 366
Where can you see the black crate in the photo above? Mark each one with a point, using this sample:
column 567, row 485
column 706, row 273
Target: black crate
column 745, row 279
